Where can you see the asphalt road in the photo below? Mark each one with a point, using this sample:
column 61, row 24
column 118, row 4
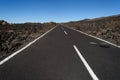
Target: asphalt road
column 64, row 54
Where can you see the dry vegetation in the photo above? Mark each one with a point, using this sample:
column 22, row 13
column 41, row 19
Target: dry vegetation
column 13, row 36
column 107, row 28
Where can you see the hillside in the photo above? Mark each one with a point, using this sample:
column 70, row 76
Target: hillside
column 107, row 28
column 2, row 22
column 14, row 36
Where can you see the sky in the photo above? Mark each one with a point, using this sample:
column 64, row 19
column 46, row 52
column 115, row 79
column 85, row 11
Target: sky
column 20, row 11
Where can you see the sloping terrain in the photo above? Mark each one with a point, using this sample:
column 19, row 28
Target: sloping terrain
column 13, row 36
column 107, row 28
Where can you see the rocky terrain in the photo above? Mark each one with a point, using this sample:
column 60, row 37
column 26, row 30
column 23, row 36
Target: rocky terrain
column 107, row 28
column 13, row 36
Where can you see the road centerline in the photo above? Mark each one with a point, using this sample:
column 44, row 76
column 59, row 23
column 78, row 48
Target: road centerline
column 93, row 75
column 65, row 32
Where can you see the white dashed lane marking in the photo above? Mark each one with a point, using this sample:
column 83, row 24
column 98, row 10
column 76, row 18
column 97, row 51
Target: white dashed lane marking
column 93, row 43
column 93, row 75
column 65, row 32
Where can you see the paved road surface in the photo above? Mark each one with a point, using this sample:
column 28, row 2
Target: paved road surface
column 57, row 56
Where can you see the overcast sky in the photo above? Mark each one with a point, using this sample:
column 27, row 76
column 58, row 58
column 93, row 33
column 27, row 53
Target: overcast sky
column 19, row 11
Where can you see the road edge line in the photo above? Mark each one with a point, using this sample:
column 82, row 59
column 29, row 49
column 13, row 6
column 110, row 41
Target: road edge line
column 18, row 51
column 93, row 75
column 96, row 38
